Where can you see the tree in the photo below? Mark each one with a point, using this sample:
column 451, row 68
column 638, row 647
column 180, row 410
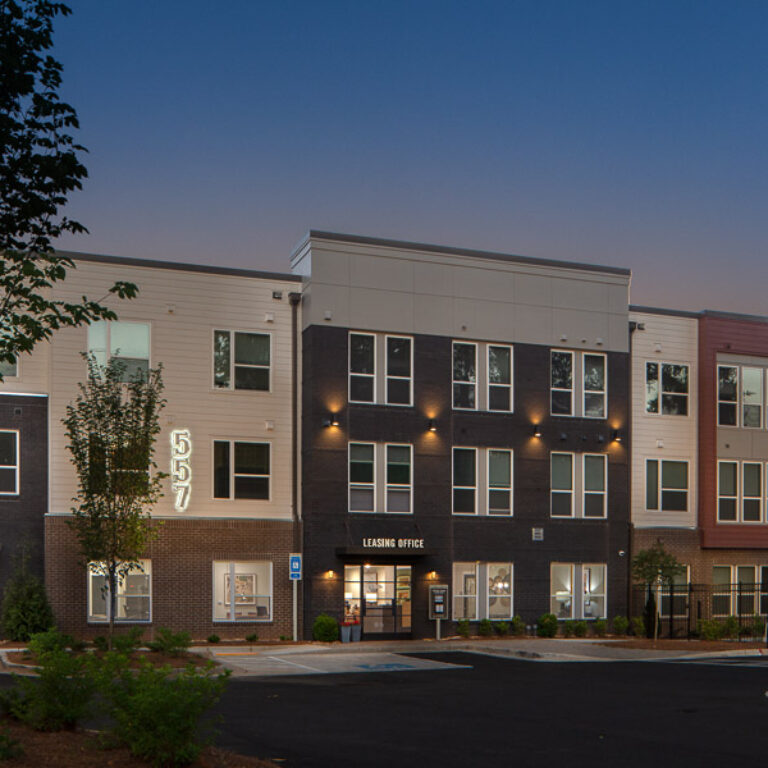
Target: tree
column 25, row 609
column 39, row 167
column 654, row 567
column 112, row 428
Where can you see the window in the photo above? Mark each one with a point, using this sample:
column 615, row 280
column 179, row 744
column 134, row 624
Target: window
column 399, row 370
column 465, row 481
column 562, row 484
column 242, row 591
column 464, row 375
column 133, row 601
column 8, row 370
column 752, row 397
column 472, row 601
column 362, row 474
column 594, row 386
column 362, row 368
column 9, row 462
column 674, row 596
column 578, row 590
column 241, row 470
column 727, row 395
column 128, row 343
column 666, row 485
column 398, row 478
column 666, row 389
column 499, row 482
column 741, row 396
column 248, row 367
column 562, row 383
column 595, row 469
column 739, row 590
column 740, row 491
column 499, row 378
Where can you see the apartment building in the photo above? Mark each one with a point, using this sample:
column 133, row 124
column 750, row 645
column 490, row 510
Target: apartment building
column 465, row 422
column 229, row 517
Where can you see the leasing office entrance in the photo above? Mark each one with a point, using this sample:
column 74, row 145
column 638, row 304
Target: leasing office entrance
column 379, row 597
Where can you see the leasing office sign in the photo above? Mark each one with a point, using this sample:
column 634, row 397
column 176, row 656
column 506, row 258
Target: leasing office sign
column 370, row 543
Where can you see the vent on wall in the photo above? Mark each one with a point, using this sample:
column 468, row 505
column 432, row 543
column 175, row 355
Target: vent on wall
column 17, row 411
column 537, row 534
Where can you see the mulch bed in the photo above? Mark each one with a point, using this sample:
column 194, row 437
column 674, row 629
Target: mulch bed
column 79, row 749
column 686, row 645
column 136, row 659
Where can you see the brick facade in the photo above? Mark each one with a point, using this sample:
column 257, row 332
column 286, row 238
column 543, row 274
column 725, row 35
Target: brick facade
column 182, row 558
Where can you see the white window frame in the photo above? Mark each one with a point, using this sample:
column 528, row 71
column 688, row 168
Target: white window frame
column 660, row 408
column 554, row 595
column 16, row 467
column 736, row 498
column 15, row 376
column 365, row 486
column 744, row 497
column 585, row 392
column 454, row 487
column 562, row 389
column 739, row 498
column 660, row 485
column 388, row 376
column 92, row 570
column 488, row 488
column 489, row 597
column 585, row 492
column 396, row 486
column 463, row 595
column 584, row 590
column 122, row 321
column 232, row 603
column 232, row 474
column 488, row 383
column 362, row 375
column 741, row 396
column 553, row 491
column 454, row 382
column 737, row 402
column 231, row 387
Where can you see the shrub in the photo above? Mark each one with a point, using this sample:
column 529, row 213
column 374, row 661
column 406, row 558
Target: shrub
column 501, row 628
column 517, row 626
column 638, row 626
column 546, row 626
column 580, row 628
column 100, row 643
column 569, row 628
column 620, row 625
column 325, row 629
column 485, row 628
column 757, row 626
column 284, row 637
column 172, row 643
column 176, row 737
column 128, row 642
column 10, row 748
column 214, row 639
column 711, row 629
column 731, row 627
column 25, row 609
column 252, row 638
column 599, row 627
column 463, row 627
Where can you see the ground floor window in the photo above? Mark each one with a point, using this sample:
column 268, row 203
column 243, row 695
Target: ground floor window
column 482, row 591
column 674, row 596
column 577, row 590
column 134, row 593
column 378, row 596
column 739, row 590
column 242, row 591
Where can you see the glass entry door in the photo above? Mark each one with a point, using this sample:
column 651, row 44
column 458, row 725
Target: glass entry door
column 379, row 596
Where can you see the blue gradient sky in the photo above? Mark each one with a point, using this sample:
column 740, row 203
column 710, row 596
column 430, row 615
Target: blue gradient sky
column 625, row 133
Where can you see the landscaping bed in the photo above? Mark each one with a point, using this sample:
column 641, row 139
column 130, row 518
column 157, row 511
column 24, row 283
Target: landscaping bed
column 157, row 659
column 686, row 645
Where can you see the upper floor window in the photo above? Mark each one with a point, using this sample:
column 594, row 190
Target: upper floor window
column 126, row 342
column 593, row 478
column 241, row 470
column 9, row 462
column 666, row 389
column 666, row 485
column 741, row 396
column 393, row 492
column 9, row 370
column 241, row 360
column 482, row 376
column 482, row 481
column 578, row 384
column 740, row 491
column 374, row 378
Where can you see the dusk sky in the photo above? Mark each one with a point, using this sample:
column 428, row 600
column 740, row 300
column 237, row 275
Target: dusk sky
column 631, row 134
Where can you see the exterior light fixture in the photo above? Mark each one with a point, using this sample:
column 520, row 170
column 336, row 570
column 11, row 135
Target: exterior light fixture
column 536, row 430
column 331, row 421
column 563, row 436
column 600, row 439
column 616, row 436
column 330, row 574
column 431, row 425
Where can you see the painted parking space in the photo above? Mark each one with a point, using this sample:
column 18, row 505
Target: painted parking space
column 268, row 665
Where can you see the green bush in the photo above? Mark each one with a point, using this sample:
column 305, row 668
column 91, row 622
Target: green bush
column 757, row 627
column 25, row 609
column 546, row 626
column 711, row 629
column 128, row 642
column 580, row 628
column 172, row 643
column 569, row 628
column 252, row 638
column 501, row 628
column 50, row 640
column 517, row 626
column 100, row 643
column 214, row 639
column 463, row 627
column 638, row 626
column 325, row 629
column 485, row 628
column 10, row 748
column 599, row 627
column 158, row 714
column 731, row 627
column 620, row 625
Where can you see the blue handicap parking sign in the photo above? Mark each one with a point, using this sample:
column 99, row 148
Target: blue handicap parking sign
column 294, row 567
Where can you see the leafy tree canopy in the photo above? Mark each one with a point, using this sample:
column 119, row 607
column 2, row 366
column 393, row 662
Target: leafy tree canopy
column 651, row 563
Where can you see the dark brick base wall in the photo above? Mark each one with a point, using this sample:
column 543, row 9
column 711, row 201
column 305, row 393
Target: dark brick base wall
column 182, row 558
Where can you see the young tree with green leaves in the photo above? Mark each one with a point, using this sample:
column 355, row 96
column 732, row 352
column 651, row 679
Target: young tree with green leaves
column 112, row 429
column 39, row 167
column 655, row 567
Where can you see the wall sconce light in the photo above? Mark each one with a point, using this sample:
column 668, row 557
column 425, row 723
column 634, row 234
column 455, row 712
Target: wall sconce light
column 331, row 421
column 330, row 574
column 563, row 436
column 536, row 430
column 431, row 425
column 432, row 575
column 616, row 436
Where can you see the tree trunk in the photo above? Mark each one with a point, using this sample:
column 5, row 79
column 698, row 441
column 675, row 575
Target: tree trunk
column 112, row 580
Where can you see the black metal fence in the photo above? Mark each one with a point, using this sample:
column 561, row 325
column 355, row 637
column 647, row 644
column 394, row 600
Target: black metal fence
column 690, row 610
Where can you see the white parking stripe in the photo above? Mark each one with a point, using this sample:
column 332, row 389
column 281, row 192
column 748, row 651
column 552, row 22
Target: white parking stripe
column 295, row 664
